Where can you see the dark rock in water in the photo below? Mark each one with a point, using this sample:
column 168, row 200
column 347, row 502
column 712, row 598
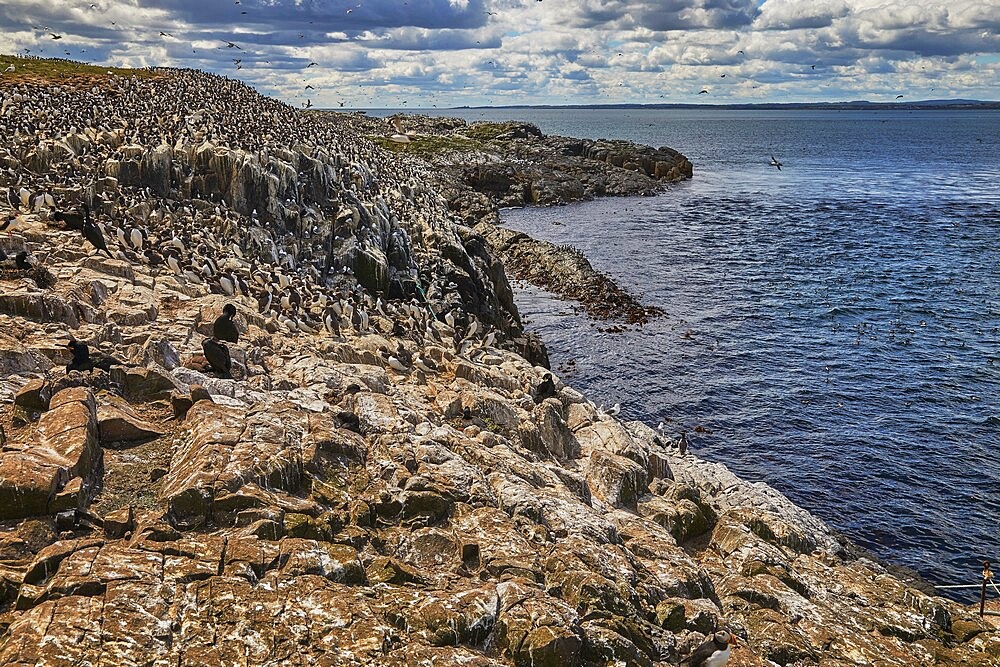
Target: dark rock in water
column 566, row 272
column 485, row 165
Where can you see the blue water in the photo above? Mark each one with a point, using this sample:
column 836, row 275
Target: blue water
column 835, row 326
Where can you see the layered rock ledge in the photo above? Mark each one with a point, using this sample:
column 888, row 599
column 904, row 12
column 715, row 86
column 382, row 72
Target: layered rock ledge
column 484, row 166
column 392, row 490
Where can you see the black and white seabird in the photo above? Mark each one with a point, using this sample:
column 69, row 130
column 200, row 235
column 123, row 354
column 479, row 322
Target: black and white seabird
column 425, row 365
column 224, row 328
column 5, row 227
column 217, row 355
column 714, row 652
column 774, row 163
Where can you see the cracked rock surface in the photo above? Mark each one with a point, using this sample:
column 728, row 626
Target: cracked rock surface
column 385, row 491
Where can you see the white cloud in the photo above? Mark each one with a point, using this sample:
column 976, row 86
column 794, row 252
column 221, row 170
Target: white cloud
column 572, row 51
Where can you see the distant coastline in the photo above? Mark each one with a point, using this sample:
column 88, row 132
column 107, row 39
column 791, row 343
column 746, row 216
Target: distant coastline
column 858, row 105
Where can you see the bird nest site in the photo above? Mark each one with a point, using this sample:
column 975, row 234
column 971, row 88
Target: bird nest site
column 265, row 399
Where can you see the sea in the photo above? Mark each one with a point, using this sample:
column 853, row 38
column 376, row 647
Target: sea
column 832, row 328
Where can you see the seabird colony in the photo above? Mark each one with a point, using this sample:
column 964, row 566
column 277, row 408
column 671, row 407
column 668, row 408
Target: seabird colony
column 296, row 215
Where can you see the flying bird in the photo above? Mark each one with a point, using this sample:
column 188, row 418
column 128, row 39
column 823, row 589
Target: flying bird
column 899, row 97
column 230, row 45
column 165, row 34
column 55, row 36
column 774, row 163
column 703, row 92
column 311, row 65
column 309, row 87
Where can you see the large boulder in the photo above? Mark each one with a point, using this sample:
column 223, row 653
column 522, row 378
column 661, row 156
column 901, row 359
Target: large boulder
column 66, row 448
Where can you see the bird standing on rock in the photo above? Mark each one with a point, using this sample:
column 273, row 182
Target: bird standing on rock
column 93, row 233
column 217, row 355
column 21, row 261
column 82, row 361
column 714, row 652
column 545, row 389
column 224, row 328
column 5, row 227
column 70, row 219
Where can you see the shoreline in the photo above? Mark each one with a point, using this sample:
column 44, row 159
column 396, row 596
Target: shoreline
column 483, row 167
column 385, row 481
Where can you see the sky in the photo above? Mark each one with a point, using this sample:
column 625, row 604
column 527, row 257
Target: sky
column 443, row 53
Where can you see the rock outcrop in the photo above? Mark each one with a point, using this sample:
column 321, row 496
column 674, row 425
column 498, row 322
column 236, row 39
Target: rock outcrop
column 565, row 271
column 483, row 166
column 515, row 164
column 375, row 492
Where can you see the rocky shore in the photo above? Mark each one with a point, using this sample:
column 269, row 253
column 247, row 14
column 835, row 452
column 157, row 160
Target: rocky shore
column 385, row 476
column 484, row 166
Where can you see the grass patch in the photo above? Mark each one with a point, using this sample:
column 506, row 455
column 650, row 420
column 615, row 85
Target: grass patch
column 34, row 70
column 486, row 131
column 426, row 146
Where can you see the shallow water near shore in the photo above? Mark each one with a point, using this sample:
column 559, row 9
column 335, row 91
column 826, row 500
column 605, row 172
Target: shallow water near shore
column 834, row 327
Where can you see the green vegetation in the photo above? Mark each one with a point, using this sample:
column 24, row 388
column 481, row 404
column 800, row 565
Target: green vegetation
column 58, row 69
column 458, row 423
column 486, row 131
column 426, row 146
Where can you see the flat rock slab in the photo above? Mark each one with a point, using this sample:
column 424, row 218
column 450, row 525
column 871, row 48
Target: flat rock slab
column 66, row 448
column 118, row 422
column 225, row 449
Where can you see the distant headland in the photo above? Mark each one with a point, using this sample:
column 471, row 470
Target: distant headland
column 856, row 105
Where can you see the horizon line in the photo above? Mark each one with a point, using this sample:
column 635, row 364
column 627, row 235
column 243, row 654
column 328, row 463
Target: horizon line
column 955, row 103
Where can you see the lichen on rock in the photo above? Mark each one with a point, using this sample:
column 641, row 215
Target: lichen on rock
column 371, row 484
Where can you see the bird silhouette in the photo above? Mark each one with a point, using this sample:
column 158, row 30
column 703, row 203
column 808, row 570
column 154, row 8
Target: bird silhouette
column 93, row 233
